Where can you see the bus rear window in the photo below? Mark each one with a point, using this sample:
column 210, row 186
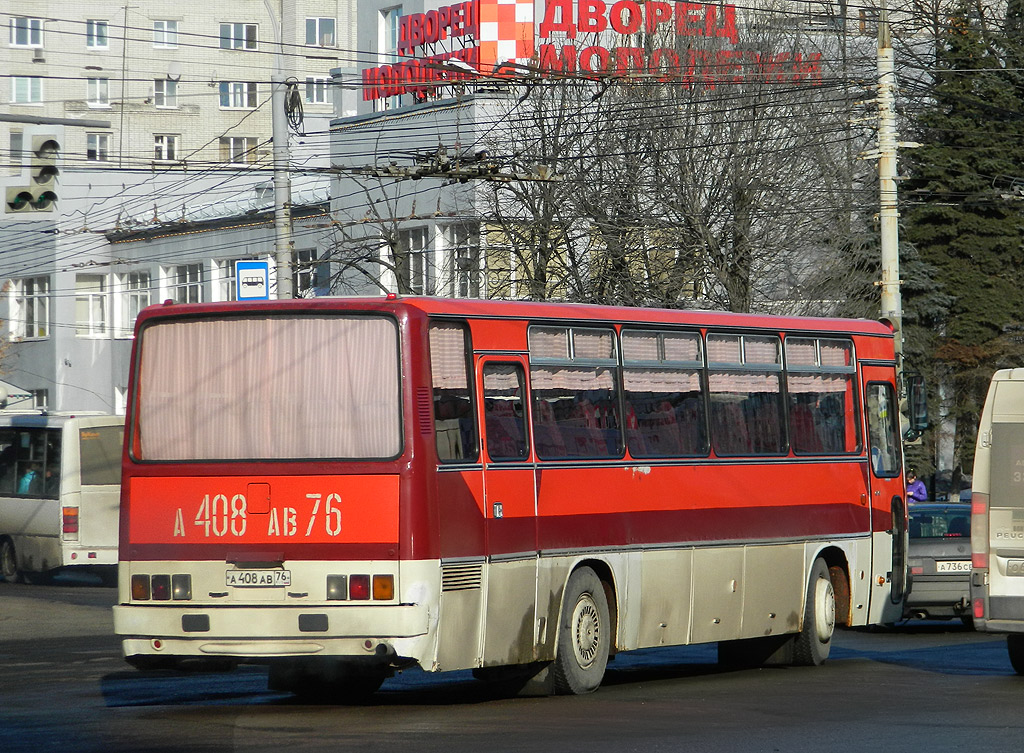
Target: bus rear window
column 100, row 454
column 268, row 388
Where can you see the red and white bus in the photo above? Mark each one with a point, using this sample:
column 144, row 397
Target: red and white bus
column 340, row 487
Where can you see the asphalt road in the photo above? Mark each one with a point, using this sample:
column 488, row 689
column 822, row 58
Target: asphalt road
column 922, row 686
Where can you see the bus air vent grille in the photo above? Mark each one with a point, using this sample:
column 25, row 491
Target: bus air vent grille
column 461, row 576
column 423, row 408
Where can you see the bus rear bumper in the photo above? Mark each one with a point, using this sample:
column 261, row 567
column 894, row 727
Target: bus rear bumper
column 249, row 634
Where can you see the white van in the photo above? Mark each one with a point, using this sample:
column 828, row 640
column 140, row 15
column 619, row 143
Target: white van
column 60, row 486
column 997, row 515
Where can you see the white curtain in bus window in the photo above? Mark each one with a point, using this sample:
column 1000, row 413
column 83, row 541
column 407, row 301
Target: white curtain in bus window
column 272, row 387
column 454, row 424
column 665, row 414
column 822, row 396
column 744, row 388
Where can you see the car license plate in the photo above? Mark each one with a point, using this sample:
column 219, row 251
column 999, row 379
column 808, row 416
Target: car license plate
column 953, row 566
column 258, row 578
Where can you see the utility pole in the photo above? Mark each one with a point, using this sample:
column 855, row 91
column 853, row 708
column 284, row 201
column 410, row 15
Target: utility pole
column 283, row 252
column 892, row 304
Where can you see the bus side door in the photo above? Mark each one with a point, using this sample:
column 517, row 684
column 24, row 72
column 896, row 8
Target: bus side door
column 510, row 509
column 888, row 505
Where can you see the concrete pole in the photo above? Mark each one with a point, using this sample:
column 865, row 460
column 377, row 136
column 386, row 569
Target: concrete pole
column 892, row 305
column 283, row 243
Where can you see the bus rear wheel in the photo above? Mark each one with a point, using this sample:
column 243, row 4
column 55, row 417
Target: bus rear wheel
column 1015, row 647
column 814, row 641
column 8, row 561
column 584, row 635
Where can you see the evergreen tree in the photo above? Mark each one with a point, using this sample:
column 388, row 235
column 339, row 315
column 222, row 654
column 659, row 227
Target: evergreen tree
column 963, row 217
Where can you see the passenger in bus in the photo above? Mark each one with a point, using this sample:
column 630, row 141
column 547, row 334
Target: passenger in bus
column 916, row 491
column 29, row 482
column 51, row 485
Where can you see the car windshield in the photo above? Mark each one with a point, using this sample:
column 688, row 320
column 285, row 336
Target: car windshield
column 940, row 524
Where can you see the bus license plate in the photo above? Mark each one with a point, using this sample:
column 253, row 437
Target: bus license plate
column 258, row 578
column 953, row 566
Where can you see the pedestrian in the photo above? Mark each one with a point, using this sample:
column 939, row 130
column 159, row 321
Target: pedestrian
column 916, row 491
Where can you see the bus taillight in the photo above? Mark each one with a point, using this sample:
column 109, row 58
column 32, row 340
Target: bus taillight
column 979, row 609
column 70, row 522
column 359, row 587
column 383, row 587
column 979, row 530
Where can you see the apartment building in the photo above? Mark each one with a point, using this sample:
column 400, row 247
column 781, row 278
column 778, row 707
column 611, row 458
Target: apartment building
column 181, row 84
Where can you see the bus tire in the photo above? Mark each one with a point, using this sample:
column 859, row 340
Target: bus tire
column 584, row 635
column 814, row 641
column 9, row 561
column 1015, row 648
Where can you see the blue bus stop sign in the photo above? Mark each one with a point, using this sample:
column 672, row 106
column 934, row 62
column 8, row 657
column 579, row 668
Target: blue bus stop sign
column 252, row 280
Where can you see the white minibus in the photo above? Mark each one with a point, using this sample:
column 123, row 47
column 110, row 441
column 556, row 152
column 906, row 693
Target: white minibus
column 60, row 486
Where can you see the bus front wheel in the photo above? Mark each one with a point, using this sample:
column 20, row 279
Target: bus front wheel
column 584, row 635
column 814, row 641
column 8, row 561
column 1015, row 647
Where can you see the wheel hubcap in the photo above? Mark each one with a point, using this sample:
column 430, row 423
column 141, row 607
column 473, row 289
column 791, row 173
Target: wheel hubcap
column 824, row 609
column 586, row 631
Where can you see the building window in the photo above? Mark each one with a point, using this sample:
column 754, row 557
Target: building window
column 185, row 283
column 165, row 146
column 165, row 92
column 98, row 92
column 31, row 309
column 91, row 305
column 463, row 243
column 311, row 277
column 238, row 95
column 17, row 139
column 237, row 149
column 238, row 36
column 320, row 32
column 165, row 34
column 26, row 90
column 26, row 32
column 389, row 36
column 414, row 262
column 134, row 296
column 96, row 35
column 97, row 147
column 316, row 91
column 390, row 26
column 224, row 286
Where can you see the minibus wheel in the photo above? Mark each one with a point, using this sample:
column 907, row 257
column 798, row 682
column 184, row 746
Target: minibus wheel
column 814, row 641
column 1015, row 647
column 8, row 561
column 584, row 635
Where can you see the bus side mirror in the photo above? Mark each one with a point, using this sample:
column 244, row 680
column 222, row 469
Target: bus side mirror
column 917, row 407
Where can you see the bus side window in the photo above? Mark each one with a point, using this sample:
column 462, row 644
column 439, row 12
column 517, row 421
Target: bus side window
column 8, row 455
column 882, row 433
column 454, row 425
column 504, row 420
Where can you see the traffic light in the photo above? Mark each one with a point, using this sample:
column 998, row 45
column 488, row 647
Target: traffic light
column 41, row 193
